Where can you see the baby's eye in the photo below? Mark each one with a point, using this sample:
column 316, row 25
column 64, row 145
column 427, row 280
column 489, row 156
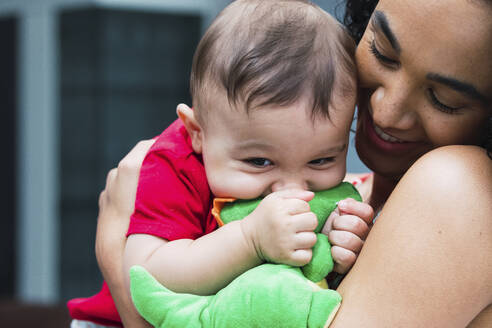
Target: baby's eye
column 322, row 161
column 258, row 162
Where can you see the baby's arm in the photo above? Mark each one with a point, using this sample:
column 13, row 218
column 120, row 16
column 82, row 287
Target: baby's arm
column 279, row 230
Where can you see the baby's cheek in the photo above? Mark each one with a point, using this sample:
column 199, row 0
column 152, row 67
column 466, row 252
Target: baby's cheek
column 331, row 179
column 236, row 186
column 218, row 186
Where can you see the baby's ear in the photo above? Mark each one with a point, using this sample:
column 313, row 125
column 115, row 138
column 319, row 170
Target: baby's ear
column 194, row 129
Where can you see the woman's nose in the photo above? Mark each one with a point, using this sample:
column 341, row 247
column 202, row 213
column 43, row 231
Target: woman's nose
column 391, row 107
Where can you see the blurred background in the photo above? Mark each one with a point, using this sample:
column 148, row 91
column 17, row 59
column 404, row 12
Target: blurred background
column 81, row 82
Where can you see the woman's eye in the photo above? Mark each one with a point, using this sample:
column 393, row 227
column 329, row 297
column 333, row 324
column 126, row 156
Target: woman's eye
column 259, row 162
column 322, row 161
column 382, row 58
column 439, row 105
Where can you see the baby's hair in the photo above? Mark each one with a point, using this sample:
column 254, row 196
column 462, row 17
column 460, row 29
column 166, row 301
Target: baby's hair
column 273, row 52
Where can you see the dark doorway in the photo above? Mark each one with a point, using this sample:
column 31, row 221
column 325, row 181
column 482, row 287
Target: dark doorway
column 122, row 73
column 8, row 91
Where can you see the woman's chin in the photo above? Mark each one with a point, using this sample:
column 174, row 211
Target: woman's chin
column 383, row 157
column 380, row 165
column 380, row 162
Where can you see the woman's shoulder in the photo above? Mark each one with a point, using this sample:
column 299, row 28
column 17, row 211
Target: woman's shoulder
column 452, row 177
column 457, row 163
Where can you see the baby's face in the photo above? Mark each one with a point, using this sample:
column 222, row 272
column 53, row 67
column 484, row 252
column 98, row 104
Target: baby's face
column 274, row 148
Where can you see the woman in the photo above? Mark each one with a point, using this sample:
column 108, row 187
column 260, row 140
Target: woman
column 425, row 82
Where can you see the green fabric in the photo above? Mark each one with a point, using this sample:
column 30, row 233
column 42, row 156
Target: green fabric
column 323, row 203
column 269, row 295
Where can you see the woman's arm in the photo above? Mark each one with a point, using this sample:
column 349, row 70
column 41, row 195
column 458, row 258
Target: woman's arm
column 428, row 259
column 483, row 320
column 116, row 204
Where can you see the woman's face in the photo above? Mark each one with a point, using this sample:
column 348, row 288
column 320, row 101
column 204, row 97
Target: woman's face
column 425, row 74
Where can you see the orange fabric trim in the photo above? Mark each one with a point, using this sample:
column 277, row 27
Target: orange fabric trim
column 218, row 205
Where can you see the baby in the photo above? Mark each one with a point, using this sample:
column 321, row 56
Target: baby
column 273, row 86
column 274, row 89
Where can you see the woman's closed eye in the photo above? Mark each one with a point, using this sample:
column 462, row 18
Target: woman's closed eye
column 386, row 61
column 441, row 106
column 395, row 64
column 258, row 162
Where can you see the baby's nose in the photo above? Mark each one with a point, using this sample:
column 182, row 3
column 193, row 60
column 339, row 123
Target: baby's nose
column 291, row 184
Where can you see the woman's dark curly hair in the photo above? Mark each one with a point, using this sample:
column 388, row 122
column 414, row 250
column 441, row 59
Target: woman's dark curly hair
column 356, row 18
column 357, row 14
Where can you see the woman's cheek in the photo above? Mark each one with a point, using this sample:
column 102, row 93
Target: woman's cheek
column 458, row 131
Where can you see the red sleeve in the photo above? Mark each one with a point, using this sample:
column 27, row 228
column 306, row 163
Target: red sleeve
column 173, row 198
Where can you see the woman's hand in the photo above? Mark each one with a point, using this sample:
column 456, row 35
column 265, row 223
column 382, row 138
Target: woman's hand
column 347, row 228
column 116, row 205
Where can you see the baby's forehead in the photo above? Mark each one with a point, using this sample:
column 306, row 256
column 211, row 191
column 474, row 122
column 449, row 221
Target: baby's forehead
column 280, row 131
column 218, row 102
column 274, row 117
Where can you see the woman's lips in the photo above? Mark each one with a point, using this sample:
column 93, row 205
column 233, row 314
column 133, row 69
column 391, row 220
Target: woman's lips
column 384, row 141
column 383, row 135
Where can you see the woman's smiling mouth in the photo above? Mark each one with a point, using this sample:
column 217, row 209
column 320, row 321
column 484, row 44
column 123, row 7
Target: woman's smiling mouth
column 385, row 136
column 384, row 141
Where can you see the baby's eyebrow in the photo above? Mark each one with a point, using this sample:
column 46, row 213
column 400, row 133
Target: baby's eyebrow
column 254, row 144
column 332, row 150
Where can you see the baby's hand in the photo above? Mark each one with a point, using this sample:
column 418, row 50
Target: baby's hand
column 347, row 228
column 281, row 227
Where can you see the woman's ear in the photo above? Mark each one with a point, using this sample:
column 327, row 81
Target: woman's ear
column 187, row 116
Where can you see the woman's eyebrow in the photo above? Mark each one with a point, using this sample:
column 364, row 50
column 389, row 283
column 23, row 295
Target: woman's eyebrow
column 467, row 89
column 380, row 22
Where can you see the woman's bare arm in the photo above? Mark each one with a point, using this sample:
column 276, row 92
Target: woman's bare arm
column 483, row 320
column 428, row 259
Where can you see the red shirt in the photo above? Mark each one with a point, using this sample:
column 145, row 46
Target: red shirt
column 173, row 202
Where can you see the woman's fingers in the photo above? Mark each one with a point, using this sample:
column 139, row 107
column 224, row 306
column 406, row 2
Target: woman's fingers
column 116, row 204
column 133, row 160
column 121, row 183
column 110, row 177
